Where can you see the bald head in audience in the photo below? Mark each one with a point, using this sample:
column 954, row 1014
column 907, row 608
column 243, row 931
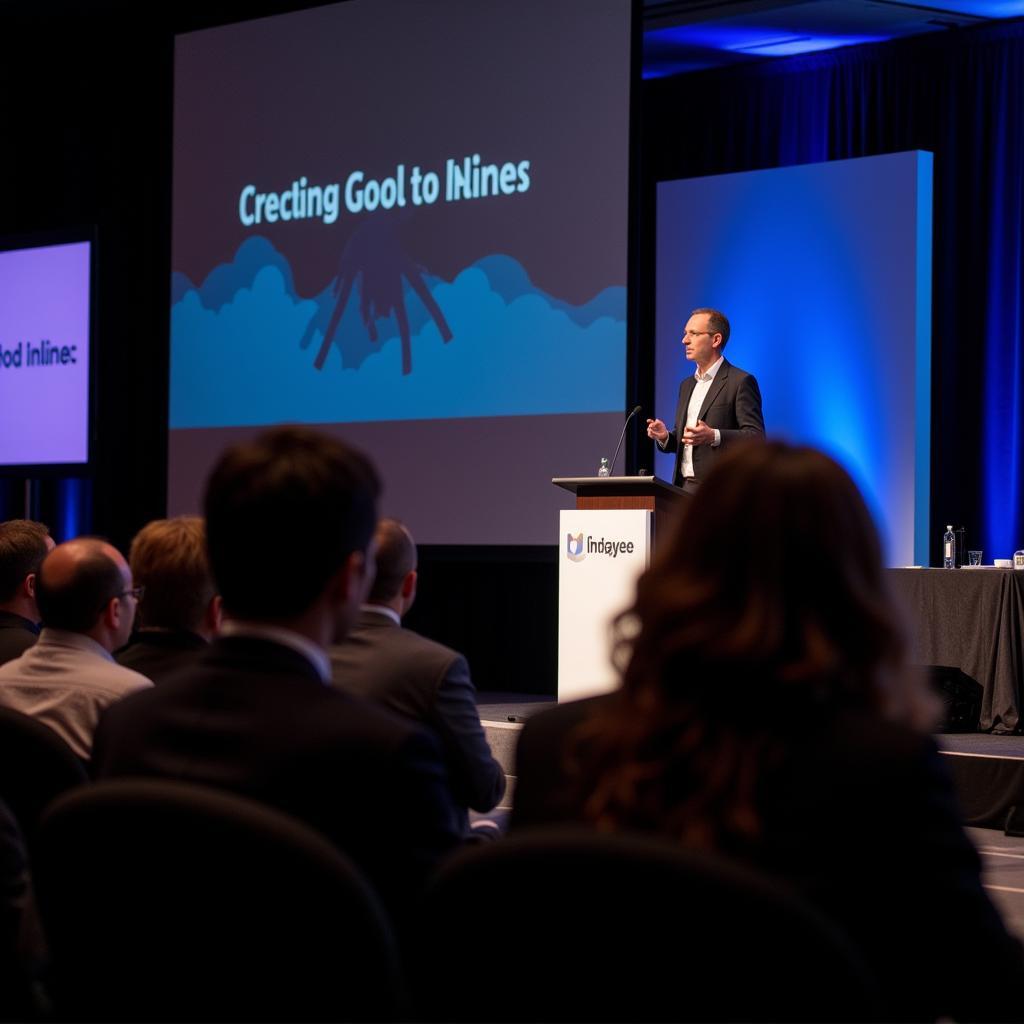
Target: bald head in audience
column 85, row 586
column 87, row 603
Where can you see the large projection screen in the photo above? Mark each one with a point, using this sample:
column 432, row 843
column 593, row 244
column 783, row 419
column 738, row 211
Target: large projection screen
column 824, row 271
column 406, row 223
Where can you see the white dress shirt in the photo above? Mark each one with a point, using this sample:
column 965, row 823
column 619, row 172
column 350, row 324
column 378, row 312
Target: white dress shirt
column 700, row 391
column 383, row 609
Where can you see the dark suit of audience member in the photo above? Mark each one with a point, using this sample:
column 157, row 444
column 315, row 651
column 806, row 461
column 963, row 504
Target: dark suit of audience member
column 415, row 677
column 158, row 654
column 17, row 635
column 548, row 790
column 255, row 716
column 766, row 713
column 180, row 610
column 255, row 713
column 23, row 546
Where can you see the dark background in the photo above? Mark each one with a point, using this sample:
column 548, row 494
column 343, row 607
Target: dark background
column 87, row 128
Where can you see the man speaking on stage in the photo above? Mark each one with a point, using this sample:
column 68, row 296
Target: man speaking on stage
column 718, row 405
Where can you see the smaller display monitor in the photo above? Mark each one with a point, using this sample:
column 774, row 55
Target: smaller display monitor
column 45, row 349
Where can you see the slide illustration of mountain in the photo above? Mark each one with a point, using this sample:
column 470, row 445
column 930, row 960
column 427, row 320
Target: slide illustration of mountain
column 520, row 350
column 375, row 256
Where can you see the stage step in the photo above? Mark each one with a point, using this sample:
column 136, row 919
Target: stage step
column 502, row 716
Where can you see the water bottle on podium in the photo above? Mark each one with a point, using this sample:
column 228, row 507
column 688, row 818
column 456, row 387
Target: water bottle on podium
column 949, row 548
column 604, row 469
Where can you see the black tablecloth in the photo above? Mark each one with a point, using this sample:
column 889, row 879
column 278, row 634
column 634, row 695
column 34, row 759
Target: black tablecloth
column 971, row 619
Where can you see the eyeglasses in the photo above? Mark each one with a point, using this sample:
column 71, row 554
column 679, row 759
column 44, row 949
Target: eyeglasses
column 135, row 592
column 696, row 334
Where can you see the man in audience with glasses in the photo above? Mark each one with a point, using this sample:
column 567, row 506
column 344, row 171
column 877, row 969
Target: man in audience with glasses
column 289, row 520
column 23, row 546
column 87, row 602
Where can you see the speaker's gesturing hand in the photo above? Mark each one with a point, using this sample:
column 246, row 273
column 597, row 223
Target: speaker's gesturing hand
column 656, row 430
column 701, row 433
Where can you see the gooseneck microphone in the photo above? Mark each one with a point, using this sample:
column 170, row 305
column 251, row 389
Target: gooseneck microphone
column 611, row 469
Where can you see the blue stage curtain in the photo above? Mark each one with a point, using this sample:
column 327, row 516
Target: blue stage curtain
column 63, row 503
column 960, row 95
column 72, row 507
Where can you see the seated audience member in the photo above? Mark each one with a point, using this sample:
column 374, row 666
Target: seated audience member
column 289, row 521
column 180, row 609
column 23, row 546
column 87, row 602
column 416, row 677
column 766, row 712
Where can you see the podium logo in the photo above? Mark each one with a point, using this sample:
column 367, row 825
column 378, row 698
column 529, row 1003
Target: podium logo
column 577, row 548
column 574, row 547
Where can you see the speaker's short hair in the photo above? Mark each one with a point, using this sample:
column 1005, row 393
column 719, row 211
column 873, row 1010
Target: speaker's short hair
column 168, row 557
column 76, row 602
column 22, row 550
column 718, row 322
column 396, row 558
column 283, row 513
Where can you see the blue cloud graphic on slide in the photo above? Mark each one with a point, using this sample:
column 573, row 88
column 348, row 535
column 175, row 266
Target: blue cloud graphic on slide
column 242, row 347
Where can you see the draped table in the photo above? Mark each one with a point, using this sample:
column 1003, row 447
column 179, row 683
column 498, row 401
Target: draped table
column 971, row 619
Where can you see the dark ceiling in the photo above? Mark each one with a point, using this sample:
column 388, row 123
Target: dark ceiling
column 679, row 35
column 690, row 35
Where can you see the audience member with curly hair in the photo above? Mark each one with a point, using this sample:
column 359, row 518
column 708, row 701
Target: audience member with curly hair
column 766, row 712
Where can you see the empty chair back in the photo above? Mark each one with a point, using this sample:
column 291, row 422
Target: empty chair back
column 36, row 766
column 19, row 955
column 167, row 901
column 579, row 925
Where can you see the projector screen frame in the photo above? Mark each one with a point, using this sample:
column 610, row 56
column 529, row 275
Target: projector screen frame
column 639, row 369
column 634, row 384
column 43, row 238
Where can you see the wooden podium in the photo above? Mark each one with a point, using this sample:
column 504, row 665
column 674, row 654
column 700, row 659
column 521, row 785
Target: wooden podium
column 605, row 492
column 604, row 544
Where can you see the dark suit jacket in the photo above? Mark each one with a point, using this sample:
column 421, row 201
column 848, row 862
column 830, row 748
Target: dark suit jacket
column 429, row 683
column 253, row 717
column 732, row 405
column 17, row 635
column 158, row 654
column 861, row 819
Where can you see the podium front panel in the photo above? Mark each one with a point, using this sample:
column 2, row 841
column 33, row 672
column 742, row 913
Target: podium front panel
column 601, row 555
